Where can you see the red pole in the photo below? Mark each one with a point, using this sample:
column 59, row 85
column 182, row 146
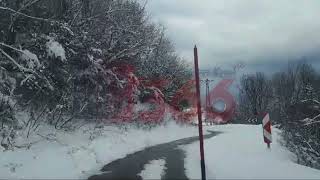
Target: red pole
column 196, row 68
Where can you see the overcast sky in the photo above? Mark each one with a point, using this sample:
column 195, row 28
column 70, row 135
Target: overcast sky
column 252, row 31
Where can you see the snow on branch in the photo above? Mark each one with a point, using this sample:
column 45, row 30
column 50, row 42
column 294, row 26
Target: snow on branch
column 109, row 12
column 124, row 51
column 55, row 49
column 11, row 47
column 312, row 100
column 26, row 55
column 309, row 121
column 31, row 59
column 63, row 25
column 314, row 120
column 22, row 68
column 25, row 15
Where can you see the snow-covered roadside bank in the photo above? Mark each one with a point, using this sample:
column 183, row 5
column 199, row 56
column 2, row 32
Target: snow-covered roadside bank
column 239, row 153
column 79, row 154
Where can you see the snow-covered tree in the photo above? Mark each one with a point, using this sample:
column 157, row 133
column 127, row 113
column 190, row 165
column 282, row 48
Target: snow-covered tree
column 61, row 55
column 255, row 94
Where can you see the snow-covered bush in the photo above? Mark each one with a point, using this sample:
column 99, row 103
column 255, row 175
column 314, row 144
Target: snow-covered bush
column 62, row 57
column 7, row 136
column 7, row 86
column 6, row 110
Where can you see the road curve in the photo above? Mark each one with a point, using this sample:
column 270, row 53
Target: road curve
column 130, row 166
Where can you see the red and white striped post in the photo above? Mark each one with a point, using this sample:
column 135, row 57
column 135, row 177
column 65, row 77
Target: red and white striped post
column 266, row 123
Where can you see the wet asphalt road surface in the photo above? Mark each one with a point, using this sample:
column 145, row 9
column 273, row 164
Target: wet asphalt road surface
column 131, row 166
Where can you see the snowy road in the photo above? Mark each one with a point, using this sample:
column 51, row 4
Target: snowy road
column 132, row 165
column 237, row 153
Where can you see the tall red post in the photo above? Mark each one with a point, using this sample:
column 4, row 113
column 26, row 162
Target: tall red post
column 199, row 111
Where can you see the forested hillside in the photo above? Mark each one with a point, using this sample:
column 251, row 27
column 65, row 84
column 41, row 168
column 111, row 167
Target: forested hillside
column 65, row 59
column 292, row 98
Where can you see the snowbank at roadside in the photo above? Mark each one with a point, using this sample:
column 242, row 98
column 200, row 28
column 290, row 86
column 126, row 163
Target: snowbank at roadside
column 79, row 154
column 237, row 153
column 240, row 153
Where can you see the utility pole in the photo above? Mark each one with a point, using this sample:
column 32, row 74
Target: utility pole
column 208, row 100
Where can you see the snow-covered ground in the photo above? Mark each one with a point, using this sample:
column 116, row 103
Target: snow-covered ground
column 153, row 170
column 239, row 152
column 80, row 154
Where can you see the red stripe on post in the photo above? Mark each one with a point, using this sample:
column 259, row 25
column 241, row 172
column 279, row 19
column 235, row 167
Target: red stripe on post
column 267, row 127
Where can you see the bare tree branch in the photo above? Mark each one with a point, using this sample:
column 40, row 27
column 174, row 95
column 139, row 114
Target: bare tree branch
column 309, row 121
column 25, row 15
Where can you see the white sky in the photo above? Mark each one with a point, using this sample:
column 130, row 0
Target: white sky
column 251, row 31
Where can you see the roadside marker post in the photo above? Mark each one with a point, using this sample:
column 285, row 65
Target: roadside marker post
column 266, row 124
column 199, row 111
